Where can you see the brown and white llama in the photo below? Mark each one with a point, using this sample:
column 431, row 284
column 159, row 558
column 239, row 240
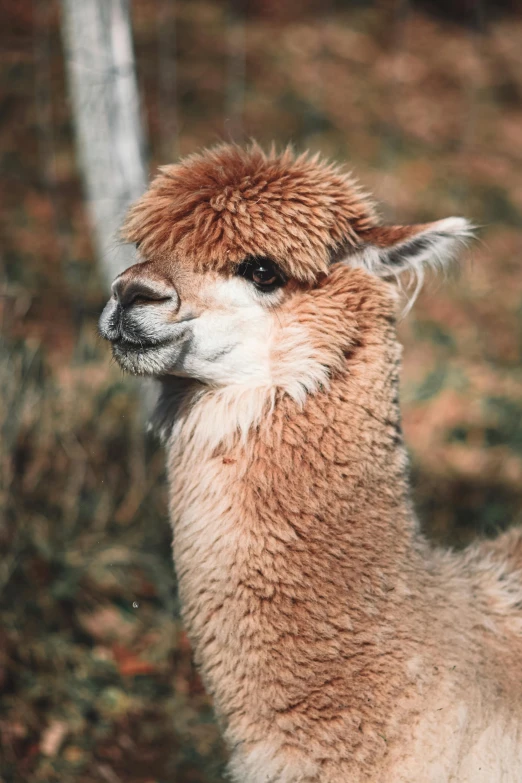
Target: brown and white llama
column 337, row 644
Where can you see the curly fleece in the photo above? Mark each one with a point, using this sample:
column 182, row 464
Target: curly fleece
column 216, row 207
column 338, row 646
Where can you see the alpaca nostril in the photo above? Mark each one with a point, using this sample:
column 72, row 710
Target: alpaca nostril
column 138, row 292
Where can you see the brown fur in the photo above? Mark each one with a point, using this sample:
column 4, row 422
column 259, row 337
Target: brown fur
column 337, row 645
column 215, row 208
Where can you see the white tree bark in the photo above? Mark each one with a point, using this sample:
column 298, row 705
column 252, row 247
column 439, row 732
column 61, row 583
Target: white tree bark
column 110, row 136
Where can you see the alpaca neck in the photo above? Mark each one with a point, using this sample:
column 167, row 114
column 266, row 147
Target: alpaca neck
column 290, row 549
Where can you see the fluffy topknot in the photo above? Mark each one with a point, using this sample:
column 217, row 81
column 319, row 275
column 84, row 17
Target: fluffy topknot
column 216, row 207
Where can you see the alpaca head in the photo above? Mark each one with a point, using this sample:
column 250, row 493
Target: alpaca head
column 252, row 267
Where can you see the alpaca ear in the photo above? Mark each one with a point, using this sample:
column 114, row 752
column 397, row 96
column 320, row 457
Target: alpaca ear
column 386, row 251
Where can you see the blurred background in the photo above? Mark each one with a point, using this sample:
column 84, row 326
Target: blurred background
column 424, row 101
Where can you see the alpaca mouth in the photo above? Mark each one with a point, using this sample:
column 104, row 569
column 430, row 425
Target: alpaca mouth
column 131, row 343
column 128, row 338
column 142, row 353
column 139, row 344
column 146, row 357
column 131, row 332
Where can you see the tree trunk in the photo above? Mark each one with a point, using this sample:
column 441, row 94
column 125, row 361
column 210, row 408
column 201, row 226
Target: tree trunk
column 110, row 136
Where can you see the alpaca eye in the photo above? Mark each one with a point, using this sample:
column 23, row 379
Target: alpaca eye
column 262, row 272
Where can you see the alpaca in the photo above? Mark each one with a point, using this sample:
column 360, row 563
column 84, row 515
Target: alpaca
column 337, row 644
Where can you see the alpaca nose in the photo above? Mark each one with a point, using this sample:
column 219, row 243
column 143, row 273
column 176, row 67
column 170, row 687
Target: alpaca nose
column 133, row 291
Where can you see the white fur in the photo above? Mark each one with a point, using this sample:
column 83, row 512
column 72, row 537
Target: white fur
column 240, row 352
column 230, row 341
column 215, row 415
column 445, row 240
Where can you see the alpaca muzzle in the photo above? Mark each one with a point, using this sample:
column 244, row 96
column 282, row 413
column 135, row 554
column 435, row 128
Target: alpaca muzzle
column 139, row 320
